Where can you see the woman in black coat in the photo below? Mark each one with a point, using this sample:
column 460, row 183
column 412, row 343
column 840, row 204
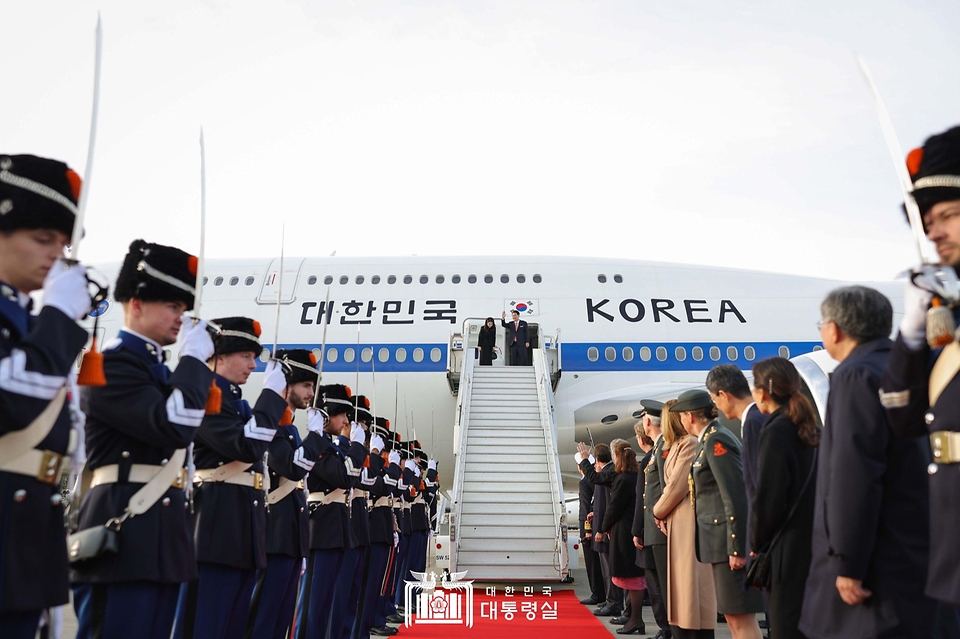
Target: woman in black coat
column 618, row 521
column 787, row 458
column 487, row 340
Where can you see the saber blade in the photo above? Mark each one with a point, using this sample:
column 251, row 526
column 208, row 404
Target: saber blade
column 198, row 290
column 276, row 327
column 323, row 348
column 88, row 171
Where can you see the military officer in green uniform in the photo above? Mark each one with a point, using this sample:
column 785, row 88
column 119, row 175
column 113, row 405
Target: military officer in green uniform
column 720, row 505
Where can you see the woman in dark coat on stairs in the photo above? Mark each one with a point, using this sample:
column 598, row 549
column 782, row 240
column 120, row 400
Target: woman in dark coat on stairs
column 618, row 521
column 487, row 340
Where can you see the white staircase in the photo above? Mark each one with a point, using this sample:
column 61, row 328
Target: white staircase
column 508, row 500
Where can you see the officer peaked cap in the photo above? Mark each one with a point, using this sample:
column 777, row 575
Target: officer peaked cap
column 935, row 169
column 37, row 193
column 157, row 273
column 335, row 399
column 692, row 400
column 237, row 335
column 302, row 363
column 652, row 407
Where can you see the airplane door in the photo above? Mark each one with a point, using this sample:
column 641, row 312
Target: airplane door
column 271, row 281
column 472, row 333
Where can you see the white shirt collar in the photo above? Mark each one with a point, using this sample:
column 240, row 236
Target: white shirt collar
column 127, row 329
column 746, row 410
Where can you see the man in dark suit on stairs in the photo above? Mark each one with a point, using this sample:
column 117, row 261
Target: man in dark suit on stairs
column 518, row 338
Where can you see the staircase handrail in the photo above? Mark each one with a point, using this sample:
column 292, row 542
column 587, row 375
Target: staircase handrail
column 460, row 425
column 548, row 423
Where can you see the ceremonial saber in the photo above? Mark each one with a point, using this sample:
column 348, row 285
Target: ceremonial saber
column 198, row 292
column 356, row 408
column 276, row 328
column 88, row 170
column 323, row 348
column 899, row 164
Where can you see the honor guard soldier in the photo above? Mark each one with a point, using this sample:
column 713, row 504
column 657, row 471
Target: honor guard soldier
column 38, row 199
column 381, row 533
column 419, row 513
column 720, row 505
column 347, row 589
column 925, row 401
column 139, row 427
column 329, row 486
column 393, row 477
column 431, row 482
column 229, row 525
column 288, row 535
column 405, row 524
column 647, row 535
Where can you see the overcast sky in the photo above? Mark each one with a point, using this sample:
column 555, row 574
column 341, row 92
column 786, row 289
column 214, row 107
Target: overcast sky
column 736, row 133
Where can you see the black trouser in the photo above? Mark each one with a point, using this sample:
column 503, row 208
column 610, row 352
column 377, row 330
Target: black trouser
column 657, row 583
column 518, row 354
column 614, row 594
column 591, row 561
column 683, row 633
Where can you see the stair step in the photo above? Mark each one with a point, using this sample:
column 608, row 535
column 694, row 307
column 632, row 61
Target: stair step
column 496, row 440
column 509, row 521
column 482, row 390
column 510, row 574
column 532, row 481
column 477, row 508
column 508, row 449
column 508, row 400
column 498, row 433
column 525, row 497
column 500, row 466
column 506, row 558
column 499, row 545
column 508, row 532
column 507, row 409
column 503, row 422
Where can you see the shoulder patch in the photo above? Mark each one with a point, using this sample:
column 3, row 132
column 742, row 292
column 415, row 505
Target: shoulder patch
column 718, row 450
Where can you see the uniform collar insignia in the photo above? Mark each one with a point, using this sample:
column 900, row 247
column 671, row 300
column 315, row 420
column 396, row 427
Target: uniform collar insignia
column 229, row 389
column 142, row 346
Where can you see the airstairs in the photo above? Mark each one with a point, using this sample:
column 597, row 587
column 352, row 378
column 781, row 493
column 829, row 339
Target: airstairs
column 508, row 518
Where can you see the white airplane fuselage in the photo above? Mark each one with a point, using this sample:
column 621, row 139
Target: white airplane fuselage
column 625, row 329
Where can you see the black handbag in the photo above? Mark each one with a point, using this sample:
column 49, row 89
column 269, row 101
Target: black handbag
column 760, row 572
column 91, row 543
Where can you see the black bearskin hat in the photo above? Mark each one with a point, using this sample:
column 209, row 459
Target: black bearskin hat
column 157, row 273
column 335, row 399
column 37, row 193
column 381, row 426
column 935, row 169
column 302, row 363
column 237, row 335
column 362, row 405
column 416, row 450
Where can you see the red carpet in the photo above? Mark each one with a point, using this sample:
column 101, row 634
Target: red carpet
column 569, row 618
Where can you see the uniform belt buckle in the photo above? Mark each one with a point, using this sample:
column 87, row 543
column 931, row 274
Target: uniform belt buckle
column 258, row 481
column 346, row 498
column 942, row 450
column 390, row 502
column 300, row 485
column 49, row 472
column 181, row 479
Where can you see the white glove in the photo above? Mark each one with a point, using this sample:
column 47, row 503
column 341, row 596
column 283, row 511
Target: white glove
column 396, row 539
column 577, row 457
column 314, row 420
column 357, row 434
column 194, row 339
column 430, row 534
column 432, row 464
column 65, row 289
column 376, row 443
column 416, row 469
column 409, row 464
column 394, row 457
column 913, row 326
column 274, row 378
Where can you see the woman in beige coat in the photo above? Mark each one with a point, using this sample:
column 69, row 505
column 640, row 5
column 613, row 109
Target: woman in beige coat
column 691, row 596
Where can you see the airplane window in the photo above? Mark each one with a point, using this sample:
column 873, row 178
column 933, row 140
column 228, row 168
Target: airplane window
column 234, row 280
column 537, row 279
column 609, row 419
column 328, row 280
column 645, row 353
column 317, row 353
column 732, row 353
column 205, row 280
column 784, row 352
column 366, row 354
column 310, row 280
column 593, row 354
column 359, row 279
column 407, row 279
column 401, row 354
column 418, row 354
column 218, row 281
column 627, row 354
column 749, row 353
column 249, row 281
column 697, row 353
column 661, row 353
column 392, row 279
column 344, row 279
column 610, row 353
column 618, row 279
column 714, row 353
column 815, row 348
column 348, row 355
column 332, row 354
column 680, row 353
column 383, row 354
column 439, row 279
column 488, row 279
column 521, row 279
column 424, row 279
column 472, row 279
column 375, row 279
column 265, row 355
column 504, row 279
column 455, row 279
column 602, row 279
column 434, row 354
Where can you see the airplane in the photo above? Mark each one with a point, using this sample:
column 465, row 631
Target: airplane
column 616, row 331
